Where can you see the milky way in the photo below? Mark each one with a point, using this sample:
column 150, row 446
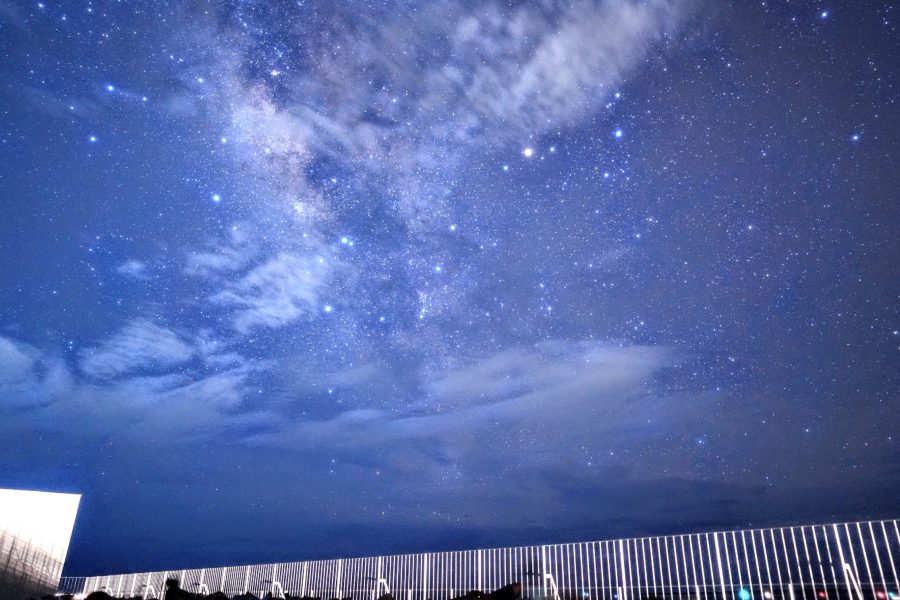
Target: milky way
column 289, row 280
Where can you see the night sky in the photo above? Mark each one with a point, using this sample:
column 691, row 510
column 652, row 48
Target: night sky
column 284, row 280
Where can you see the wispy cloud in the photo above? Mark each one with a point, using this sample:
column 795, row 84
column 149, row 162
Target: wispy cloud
column 223, row 257
column 276, row 292
column 133, row 268
column 141, row 344
column 548, row 392
column 28, row 377
column 542, row 69
column 523, row 416
column 178, row 405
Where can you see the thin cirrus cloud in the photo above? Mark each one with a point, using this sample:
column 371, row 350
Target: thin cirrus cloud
column 28, row 377
column 277, row 292
column 133, row 269
column 141, row 344
column 115, row 392
column 561, row 387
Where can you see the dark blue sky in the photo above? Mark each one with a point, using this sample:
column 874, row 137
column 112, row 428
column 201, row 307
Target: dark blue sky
column 309, row 279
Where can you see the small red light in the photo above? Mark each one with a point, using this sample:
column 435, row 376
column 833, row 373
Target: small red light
column 822, row 594
column 881, row 595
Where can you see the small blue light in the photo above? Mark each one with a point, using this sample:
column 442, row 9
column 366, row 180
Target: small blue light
column 824, row 14
column 744, row 594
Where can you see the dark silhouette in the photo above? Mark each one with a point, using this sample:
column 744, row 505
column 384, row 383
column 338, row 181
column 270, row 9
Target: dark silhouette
column 173, row 591
column 511, row 591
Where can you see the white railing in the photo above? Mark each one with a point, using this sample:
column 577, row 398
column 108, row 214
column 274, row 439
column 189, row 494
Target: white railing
column 840, row 561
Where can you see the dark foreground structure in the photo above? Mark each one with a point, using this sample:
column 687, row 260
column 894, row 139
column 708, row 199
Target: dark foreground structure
column 853, row 561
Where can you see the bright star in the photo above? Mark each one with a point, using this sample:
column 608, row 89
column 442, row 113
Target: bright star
column 216, row 198
column 110, row 87
column 854, row 137
column 528, row 152
column 823, row 14
column 328, row 309
column 618, row 133
column 92, row 138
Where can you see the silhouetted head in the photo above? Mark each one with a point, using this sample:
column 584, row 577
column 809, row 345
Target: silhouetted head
column 172, row 583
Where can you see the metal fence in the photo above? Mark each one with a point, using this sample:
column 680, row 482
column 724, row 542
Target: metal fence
column 855, row 561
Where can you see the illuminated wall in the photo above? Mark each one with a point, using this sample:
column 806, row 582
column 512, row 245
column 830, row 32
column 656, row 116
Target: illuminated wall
column 853, row 561
column 35, row 528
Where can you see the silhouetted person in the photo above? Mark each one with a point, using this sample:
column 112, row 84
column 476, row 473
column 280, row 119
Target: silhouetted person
column 511, row 591
column 174, row 591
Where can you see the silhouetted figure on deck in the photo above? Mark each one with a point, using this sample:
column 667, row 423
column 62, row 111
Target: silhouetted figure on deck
column 510, row 591
column 174, row 591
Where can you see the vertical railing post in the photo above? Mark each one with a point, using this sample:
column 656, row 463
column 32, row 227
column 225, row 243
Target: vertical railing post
column 425, row 577
column 544, row 569
column 340, row 569
column 480, row 569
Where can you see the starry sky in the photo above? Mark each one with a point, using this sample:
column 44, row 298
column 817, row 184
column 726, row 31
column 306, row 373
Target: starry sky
column 284, row 280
